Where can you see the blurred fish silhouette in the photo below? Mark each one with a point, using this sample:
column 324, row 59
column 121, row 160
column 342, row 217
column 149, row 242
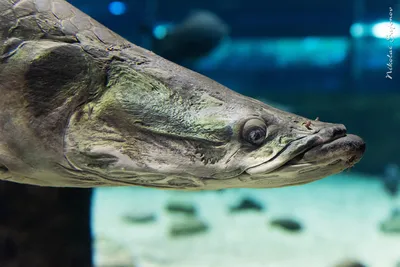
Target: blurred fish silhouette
column 195, row 37
column 391, row 179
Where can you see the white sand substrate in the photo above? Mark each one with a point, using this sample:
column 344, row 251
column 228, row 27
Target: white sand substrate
column 340, row 215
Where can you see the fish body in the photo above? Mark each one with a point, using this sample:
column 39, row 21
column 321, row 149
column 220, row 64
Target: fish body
column 81, row 106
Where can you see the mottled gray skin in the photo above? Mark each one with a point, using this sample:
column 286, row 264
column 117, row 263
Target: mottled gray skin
column 82, row 107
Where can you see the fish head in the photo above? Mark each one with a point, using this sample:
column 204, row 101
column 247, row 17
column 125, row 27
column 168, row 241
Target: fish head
column 164, row 126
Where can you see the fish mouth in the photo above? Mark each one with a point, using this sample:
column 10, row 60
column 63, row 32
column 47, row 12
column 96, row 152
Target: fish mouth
column 330, row 146
column 348, row 149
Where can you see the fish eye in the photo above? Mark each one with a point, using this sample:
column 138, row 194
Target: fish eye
column 254, row 131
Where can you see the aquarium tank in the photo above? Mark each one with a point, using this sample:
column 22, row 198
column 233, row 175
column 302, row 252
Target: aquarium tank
column 330, row 61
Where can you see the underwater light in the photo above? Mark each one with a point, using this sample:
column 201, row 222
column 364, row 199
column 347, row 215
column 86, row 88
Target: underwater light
column 160, row 31
column 117, row 8
column 386, row 30
column 311, row 43
column 357, row 30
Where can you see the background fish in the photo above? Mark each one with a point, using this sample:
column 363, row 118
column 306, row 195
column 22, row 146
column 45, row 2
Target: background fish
column 195, row 37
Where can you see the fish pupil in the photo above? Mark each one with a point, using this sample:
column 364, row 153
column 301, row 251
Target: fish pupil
column 256, row 136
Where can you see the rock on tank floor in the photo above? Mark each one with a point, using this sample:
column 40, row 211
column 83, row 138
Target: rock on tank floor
column 340, row 216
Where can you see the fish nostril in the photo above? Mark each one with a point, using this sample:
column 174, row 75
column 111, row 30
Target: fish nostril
column 338, row 131
column 332, row 132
